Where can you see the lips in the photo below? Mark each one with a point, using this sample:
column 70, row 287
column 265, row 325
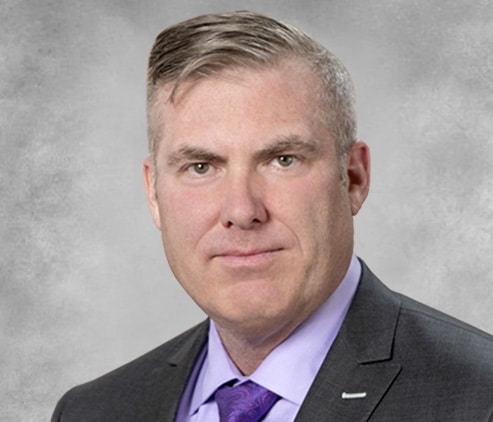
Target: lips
column 246, row 253
column 247, row 257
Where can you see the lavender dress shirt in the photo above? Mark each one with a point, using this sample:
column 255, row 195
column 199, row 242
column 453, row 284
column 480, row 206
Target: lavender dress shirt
column 288, row 370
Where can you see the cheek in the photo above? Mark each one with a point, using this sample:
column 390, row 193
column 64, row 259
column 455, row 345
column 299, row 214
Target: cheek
column 185, row 216
column 309, row 203
column 321, row 216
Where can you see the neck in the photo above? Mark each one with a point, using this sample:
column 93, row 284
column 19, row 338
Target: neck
column 248, row 352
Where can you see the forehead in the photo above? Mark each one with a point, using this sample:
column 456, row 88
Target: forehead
column 252, row 102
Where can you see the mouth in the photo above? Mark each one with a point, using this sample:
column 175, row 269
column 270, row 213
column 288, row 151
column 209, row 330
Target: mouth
column 247, row 258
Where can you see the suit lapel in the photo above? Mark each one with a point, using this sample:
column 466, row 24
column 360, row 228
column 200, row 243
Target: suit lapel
column 358, row 370
column 170, row 379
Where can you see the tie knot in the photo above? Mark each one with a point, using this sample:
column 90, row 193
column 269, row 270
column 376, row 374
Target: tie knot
column 248, row 402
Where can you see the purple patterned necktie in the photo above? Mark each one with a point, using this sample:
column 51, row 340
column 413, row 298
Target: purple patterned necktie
column 247, row 402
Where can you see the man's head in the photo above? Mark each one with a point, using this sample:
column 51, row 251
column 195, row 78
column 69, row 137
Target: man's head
column 211, row 44
column 245, row 181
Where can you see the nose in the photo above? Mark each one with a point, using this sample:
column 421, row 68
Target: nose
column 243, row 202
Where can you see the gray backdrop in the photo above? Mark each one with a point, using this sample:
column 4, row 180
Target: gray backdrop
column 84, row 285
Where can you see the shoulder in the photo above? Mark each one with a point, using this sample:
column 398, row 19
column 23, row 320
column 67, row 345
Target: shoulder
column 159, row 358
column 136, row 387
column 438, row 331
column 415, row 320
column 445, row 365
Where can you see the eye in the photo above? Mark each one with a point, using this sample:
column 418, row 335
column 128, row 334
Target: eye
column 285, row 160
column 200, row 168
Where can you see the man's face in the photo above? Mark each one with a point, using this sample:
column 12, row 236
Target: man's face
column 255, row 221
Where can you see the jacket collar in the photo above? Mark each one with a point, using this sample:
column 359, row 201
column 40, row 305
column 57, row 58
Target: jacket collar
column 171, row 377
column 358, row 370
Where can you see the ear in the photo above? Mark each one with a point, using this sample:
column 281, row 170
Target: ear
column 358, row 175
column 151, row 194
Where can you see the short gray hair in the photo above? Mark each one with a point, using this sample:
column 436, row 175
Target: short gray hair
column 209, row 44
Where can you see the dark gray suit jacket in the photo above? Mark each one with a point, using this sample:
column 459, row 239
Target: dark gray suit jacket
column 413, row 363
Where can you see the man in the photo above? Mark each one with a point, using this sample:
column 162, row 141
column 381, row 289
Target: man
column 253, row 179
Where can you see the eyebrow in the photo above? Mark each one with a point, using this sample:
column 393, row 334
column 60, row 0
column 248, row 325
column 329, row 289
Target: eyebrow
column 194, row 154
column 284, row 144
